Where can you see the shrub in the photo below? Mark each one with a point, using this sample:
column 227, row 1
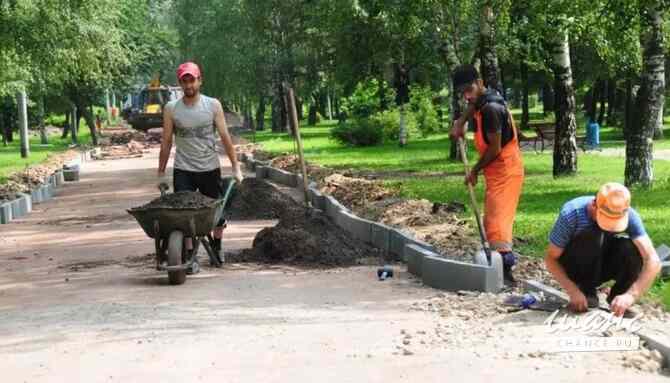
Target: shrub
column 424, row 111
column 389, row 123
column 365, row 101
column 357, row 132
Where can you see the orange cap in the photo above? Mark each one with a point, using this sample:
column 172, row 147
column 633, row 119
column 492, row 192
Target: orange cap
column 612, row 204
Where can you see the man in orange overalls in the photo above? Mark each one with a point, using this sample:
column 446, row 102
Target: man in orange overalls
column 496, row 141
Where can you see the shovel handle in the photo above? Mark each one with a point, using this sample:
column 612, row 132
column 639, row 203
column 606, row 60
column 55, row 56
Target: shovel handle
column 473, row 200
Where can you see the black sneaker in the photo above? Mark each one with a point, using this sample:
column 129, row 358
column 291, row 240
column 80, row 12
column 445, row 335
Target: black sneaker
column 195, row 267
column 508, row 278
column 592, row 299
column 216, row 249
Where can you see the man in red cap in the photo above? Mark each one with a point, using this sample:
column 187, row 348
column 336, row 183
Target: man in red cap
column 598, row 239
column 194, row 121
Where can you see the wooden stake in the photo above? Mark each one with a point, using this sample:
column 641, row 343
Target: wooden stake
column 296, row 130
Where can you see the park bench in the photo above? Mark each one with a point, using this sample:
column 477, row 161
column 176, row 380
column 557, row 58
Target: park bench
column 544, row 137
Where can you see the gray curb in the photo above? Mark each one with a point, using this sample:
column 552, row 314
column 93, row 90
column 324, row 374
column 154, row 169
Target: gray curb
column 422, row 258
column 6, row 213
column 37, row 195
column 261, row 172
column 453, row 275
column 317, row 198
column 26, row 203
column 17, row 208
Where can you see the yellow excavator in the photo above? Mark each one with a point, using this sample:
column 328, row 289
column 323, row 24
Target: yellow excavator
column 147, row 108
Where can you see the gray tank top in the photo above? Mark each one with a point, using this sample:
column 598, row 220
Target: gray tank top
column 195, row 135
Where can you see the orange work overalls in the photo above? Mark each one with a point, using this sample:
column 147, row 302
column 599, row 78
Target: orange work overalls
column 504, row 180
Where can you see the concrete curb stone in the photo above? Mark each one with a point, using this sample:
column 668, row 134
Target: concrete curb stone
column 6, row 213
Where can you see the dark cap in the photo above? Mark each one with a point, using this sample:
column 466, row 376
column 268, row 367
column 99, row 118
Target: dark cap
column 465, row 75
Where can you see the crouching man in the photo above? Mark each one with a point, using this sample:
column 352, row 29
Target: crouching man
column 599, row 239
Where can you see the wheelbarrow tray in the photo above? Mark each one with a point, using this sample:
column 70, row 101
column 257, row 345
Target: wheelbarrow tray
column 171, row 219
column 166, row 220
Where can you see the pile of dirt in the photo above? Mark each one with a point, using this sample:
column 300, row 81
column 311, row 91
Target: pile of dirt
column 302, row 237
column 31, row 177
column 291, row 163
column 132, row 149
column 257, row 199
column 123, row 137
column 180, row 200
column 355, row 193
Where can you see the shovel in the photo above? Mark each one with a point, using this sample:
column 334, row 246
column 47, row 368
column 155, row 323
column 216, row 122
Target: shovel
column 473, row 202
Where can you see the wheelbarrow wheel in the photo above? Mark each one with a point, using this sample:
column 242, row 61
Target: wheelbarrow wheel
column 175, row 247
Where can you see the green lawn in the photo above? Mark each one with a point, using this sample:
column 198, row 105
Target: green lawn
column 10, row 155
column 541, row 199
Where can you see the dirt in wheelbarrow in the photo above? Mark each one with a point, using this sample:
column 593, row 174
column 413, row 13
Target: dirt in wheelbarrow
column 180, row 200
column 303, row 237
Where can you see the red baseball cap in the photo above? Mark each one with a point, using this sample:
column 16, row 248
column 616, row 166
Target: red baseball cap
column 188, row 68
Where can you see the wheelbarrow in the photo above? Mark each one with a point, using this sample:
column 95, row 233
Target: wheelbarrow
column 169, row 227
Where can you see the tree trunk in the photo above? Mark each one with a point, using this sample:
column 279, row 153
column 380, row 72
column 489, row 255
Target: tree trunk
column 489, row 58
column 329, row 105
column 454, row 153
column 66, row 126
column 525, row 115
column 312, row 114
column 565, row 144
column 591, row 101
column 402, row 97
column 548, row 99
column 250, row 121
column 279, row 110
column 603, row 93
column 260, row 114
column 611, row 102
column 9, row 119
column 298, row 105
column 22, row 103
column 648, row 112
column 631, row 95
column 44, row 140
column 90, row 122
column 381, row 93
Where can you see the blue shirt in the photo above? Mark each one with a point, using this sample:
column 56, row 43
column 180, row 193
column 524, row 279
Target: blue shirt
column 574, row 218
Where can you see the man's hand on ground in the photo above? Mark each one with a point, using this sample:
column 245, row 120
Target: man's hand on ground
column 621, row 303
column 237, row 173
column 578, row 302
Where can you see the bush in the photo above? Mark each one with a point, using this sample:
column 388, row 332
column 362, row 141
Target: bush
column 424, row 111
column 365, row 101
column 357, row 132
column 389, row 123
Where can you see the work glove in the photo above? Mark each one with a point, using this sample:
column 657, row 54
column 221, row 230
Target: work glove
column 237, row 173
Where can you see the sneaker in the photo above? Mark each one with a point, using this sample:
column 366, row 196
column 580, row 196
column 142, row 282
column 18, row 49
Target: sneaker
column 195, row 267
column 216, row 249
column 592, row 299
column 508, row 278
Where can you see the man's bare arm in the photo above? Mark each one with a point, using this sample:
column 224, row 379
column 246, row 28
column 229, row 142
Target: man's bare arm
column 578, row 301
column 651, row 266
column 166, row 141
column 220, row 121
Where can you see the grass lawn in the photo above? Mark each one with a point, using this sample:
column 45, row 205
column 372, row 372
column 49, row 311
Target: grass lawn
column 10, row 155
column 541, row 199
